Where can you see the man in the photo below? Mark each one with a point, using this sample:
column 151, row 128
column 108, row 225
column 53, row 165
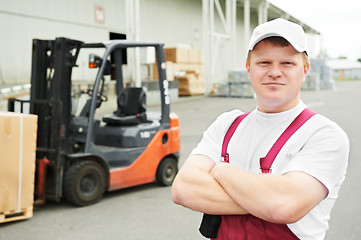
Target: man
column 307, row 172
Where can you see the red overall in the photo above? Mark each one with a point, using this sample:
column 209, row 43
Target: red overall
column 249, row 227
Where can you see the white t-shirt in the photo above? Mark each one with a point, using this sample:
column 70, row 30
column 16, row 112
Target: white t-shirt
column 320, row 148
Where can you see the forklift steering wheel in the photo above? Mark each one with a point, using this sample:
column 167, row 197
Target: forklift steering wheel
column 102, row 98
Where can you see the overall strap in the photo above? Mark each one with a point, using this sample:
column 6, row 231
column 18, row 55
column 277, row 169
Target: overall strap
column 229, row 135
column 266, row 162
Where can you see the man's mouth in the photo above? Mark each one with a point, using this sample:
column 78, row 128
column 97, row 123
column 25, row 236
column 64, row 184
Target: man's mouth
column 271, row 84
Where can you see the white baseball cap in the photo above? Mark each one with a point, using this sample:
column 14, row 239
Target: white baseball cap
column 280, row 27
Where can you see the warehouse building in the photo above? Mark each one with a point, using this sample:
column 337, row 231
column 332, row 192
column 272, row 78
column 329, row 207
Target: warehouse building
column 345, row 69
column 214, row 32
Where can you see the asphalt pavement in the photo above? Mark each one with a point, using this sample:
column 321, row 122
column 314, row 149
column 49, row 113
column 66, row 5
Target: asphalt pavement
column 147, row 212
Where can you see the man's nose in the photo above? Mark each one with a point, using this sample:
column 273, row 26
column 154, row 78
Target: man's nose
column 275, row 71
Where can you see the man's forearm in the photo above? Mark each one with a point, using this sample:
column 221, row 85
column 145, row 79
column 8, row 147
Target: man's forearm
column 196, row 189
column 275, row 198
column 242, row 188
column 203, row 194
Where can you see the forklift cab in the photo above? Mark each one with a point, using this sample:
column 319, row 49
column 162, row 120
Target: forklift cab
column 80, row 156
column 134, row 145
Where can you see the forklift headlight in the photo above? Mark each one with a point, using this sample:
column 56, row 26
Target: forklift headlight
column 94, row 61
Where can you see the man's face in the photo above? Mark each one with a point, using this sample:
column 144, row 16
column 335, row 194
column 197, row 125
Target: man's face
column 276, row 75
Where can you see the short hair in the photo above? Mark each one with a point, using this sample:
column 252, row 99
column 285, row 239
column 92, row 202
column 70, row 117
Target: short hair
column 279, row 42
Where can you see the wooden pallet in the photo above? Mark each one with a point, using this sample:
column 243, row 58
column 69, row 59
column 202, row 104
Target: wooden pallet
column 14, row 215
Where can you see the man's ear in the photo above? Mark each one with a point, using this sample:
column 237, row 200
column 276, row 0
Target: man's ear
column 306, row 68
column 247, row 67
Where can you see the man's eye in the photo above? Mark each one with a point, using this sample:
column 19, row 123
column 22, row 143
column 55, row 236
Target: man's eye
column 288, row 63
column 264, row 63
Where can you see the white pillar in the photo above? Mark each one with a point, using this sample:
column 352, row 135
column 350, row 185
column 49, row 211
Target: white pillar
column 207, row 44
column 246, row 25
column 137, row 69
column 260, row 13
column 216, row 60
column 231, row 10
column 265, row 11
column 132, row 23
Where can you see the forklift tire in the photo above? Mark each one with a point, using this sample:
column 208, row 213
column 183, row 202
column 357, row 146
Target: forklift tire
column 166, row 172
column 84, row 183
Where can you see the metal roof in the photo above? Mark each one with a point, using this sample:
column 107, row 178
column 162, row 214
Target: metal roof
column 276, row 12
column 343, row 64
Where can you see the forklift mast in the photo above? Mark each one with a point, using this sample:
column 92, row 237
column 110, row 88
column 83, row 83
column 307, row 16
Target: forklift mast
column 50, row 99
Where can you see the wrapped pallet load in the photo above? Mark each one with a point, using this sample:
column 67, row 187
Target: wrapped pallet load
column 18, row 133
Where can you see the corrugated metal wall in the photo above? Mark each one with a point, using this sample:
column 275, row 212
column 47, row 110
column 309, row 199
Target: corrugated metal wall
column 172, row 21
column 175, row 22
column 23, row 20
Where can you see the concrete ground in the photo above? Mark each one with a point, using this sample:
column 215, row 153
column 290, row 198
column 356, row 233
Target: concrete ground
column 147, row 212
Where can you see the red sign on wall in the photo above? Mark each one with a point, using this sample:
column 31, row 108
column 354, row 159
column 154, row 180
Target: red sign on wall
column 99, row 14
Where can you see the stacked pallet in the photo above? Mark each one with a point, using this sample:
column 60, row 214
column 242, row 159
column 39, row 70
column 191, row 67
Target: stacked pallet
column 186, row 66
column 17, row 165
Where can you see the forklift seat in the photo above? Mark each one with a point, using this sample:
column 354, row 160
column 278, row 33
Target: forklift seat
column 131, row 108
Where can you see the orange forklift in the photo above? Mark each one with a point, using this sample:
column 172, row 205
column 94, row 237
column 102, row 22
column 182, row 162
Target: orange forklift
column 79, row 157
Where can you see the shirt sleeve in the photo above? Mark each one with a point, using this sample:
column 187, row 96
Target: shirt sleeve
column 212, row 139
column 324, row 156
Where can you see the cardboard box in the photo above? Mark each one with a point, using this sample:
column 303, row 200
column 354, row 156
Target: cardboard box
column 190, row 84
column 176, row 55
column 153, row 71
column 194, row 56
column 18, row 134
column 184, row 55
column 173, row 69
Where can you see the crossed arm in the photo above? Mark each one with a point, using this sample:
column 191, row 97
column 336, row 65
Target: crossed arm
column 202, row 185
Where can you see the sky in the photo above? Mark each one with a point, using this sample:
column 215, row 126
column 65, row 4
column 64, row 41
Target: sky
column 339, row 23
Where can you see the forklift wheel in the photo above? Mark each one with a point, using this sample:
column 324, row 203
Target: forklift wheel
column 84, row 183
column 166, row 172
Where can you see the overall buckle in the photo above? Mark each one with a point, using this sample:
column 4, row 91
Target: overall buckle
column 267, row 171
